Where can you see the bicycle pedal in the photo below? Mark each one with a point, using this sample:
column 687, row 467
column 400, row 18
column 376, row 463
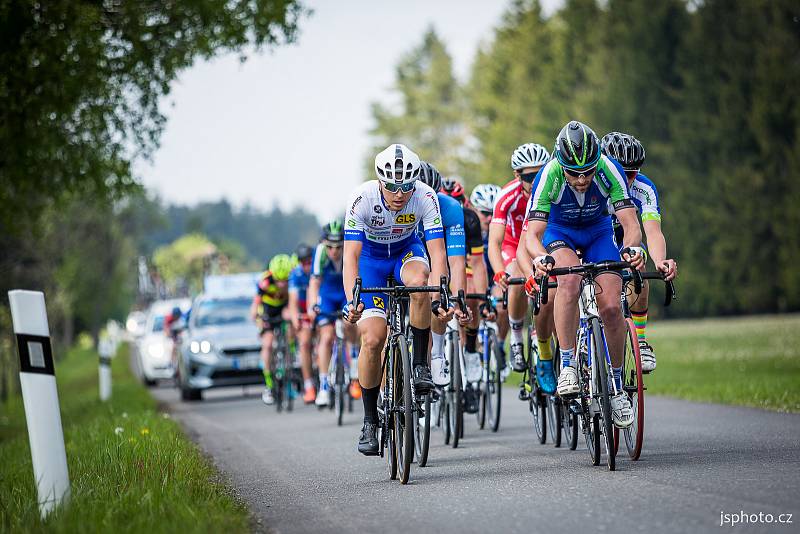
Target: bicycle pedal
column 523, row 395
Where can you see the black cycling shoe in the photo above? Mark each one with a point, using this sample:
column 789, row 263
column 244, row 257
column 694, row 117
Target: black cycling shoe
column 518, row 355
column 423, row 382
column 368, row 440
column 470, row 400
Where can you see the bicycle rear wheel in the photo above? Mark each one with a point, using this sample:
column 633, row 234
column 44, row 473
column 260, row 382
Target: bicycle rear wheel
column 386, row 419
column 554, row 409
column 340, row 381
column 601, row 365
column 494, row 387
column 423, row 431
column 404, row 416
column 633, row 385
column 570, row 423
column 456, row 385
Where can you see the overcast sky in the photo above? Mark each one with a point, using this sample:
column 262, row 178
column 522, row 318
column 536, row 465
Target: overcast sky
column 291, row 126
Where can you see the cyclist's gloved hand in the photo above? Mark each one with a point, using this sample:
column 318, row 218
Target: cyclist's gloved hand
column 464, row 317
column 313, row 311
column 440, row 312
column 531, row 286
column 501, row 280
column 543, row 264
column 352, row 313
column 636, row 256
column 487, row 311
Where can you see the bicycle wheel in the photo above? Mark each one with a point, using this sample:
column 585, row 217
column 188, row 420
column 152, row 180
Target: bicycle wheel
column 443, row 416
column 592, row 435
column 423, row 431
column 288, row 380
column 599, row 359
column 633, row 385
column 404, row 418
column 538, row 409
column 456, row 384
column 569, row 421
column 554, row 409
column 386, row 419
column 340, row 382
column 494, row 387
column 481, row 389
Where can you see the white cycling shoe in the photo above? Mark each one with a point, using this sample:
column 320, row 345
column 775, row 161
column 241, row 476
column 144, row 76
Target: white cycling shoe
column 266, row 397
column 648, row 357
column 472, row 362
column 568, row 381
column 440, row 371
column 323, row 397
column 621, row 411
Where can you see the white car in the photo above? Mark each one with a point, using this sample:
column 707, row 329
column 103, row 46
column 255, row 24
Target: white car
column 154, row 348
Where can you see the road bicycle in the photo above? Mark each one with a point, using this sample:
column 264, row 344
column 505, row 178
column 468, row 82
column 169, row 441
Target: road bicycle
column 400, row 400
column 450, row 409
column 490, row 386
column 339, row 371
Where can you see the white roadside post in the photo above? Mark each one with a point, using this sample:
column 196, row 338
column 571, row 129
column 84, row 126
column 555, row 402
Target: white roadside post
column 40, row 398
column 105, row 351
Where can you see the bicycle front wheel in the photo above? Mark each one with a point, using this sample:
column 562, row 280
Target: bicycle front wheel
column 494, row 386
column 633, row 385
column 422, row 424
column 404, row 403
column 457, row 391
column 600, row 362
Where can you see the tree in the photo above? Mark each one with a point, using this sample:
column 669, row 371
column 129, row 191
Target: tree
column 80, row 83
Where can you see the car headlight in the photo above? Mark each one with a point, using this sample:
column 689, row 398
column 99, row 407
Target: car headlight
column 198, row 347
column 194, row 346
column 156, row 350
column 205, row 347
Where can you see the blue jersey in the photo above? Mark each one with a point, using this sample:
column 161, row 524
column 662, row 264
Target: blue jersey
column 298, row 282
column 453, row 223
column 329, row 273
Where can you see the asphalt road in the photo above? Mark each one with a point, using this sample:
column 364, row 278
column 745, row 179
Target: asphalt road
column 299, row 472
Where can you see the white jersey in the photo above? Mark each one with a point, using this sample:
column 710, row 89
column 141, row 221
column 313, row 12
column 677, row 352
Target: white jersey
column 385, row 233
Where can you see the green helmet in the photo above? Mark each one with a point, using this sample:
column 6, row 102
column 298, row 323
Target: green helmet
column 280, row 266
column 333, row 232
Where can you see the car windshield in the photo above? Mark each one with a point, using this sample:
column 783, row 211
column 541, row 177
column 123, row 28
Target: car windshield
column 158, row 323
column 222, row 311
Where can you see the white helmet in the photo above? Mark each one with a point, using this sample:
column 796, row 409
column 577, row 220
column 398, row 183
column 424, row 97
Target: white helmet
column 529, row 155
column 484, row 196
column 397, row 164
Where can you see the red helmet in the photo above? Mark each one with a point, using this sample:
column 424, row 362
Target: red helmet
column 453, row 188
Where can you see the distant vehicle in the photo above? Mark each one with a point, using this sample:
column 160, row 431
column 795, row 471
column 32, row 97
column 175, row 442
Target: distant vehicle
column 134, row 324
column 221, row 346
column 154, row 348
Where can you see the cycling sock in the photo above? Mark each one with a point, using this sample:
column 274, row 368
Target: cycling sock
column 545, row 350
column 268, row 378
column 567, row 357
column 516, row 330
column 323, row 381
column 618, row 378
column 472, row 339
column 640, row 322
column 420, row 345
column 354, row 354
column 437, row 348
column 370, row 398
column 308, row 383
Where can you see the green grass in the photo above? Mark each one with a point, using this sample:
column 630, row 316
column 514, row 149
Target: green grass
column 131, row 467
column 750, row 361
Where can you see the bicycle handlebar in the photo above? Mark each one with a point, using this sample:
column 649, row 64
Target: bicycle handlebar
column 398, row 291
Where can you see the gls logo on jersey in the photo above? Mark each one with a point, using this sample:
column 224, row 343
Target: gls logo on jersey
column 378, row 302
column 406, row 218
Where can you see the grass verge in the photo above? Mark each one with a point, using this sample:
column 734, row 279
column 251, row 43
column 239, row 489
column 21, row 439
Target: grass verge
column 750, row 361
column 131, row 468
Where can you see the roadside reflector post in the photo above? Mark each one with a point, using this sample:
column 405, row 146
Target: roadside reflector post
column 105, row 349
column 40, row 398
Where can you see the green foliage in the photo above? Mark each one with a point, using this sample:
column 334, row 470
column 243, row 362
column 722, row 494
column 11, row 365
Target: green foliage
column 131, row 468
column 184, row 261
column 80, row 83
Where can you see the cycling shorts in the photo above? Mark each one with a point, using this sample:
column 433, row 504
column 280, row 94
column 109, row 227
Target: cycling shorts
column 269, row 318
column 329, row 308
column 596, row 241
column 374, row 272
column 509, row 252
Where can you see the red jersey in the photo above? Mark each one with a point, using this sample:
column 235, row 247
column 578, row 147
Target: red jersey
column 510, row 210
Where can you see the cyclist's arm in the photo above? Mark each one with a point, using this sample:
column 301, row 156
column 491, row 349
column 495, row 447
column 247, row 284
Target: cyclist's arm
column 656, row 243
column 524, row 261
column 438, row 258
column 294, row 308
column 458, row 273
column 352, row 251
column 496, row 233
column 479, row 274
column 533, row 238
column 632, row 233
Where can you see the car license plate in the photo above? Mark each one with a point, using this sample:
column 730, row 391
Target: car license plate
column 246, row 362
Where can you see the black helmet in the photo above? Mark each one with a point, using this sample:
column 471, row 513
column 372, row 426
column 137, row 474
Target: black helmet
column 577, row 146
column 333, row 232
column 430, row 176
column 176, row 311
column 624, row 148
column 303, row 252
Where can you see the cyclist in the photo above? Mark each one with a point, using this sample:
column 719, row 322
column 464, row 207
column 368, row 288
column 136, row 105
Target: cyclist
column 301, row 324
column 267, row 310
column 568, row 212
column 451, row 186
column 504, row 231
column 381, row 240
column 630, row 153
column 327, row 292
column 455, row 246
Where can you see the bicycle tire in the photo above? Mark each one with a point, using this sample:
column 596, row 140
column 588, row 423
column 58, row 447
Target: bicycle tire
column 495, row 387
column 555, row 408
column 444, row 416
column 570, row 423
column 634, row 387
column 481, row 389
column 457, row 405
column 605, row 397
column 404, row 422
column 423, row 437
column 340, row 383
column 288, row 372
column 538, row 408
column 388, row 437
column 592, row 436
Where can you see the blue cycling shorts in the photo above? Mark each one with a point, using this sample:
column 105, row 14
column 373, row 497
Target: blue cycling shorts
column 375, row 271
column 330, row 305
column 596, row 242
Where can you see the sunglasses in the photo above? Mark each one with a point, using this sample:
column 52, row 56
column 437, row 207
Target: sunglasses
column 486, row 213
column 528, row 177
column 331, row 245
column 577, row 174
column 394, row 188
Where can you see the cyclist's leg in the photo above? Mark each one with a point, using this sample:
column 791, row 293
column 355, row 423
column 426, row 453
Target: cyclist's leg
column 517, row 306
column 638, row 306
